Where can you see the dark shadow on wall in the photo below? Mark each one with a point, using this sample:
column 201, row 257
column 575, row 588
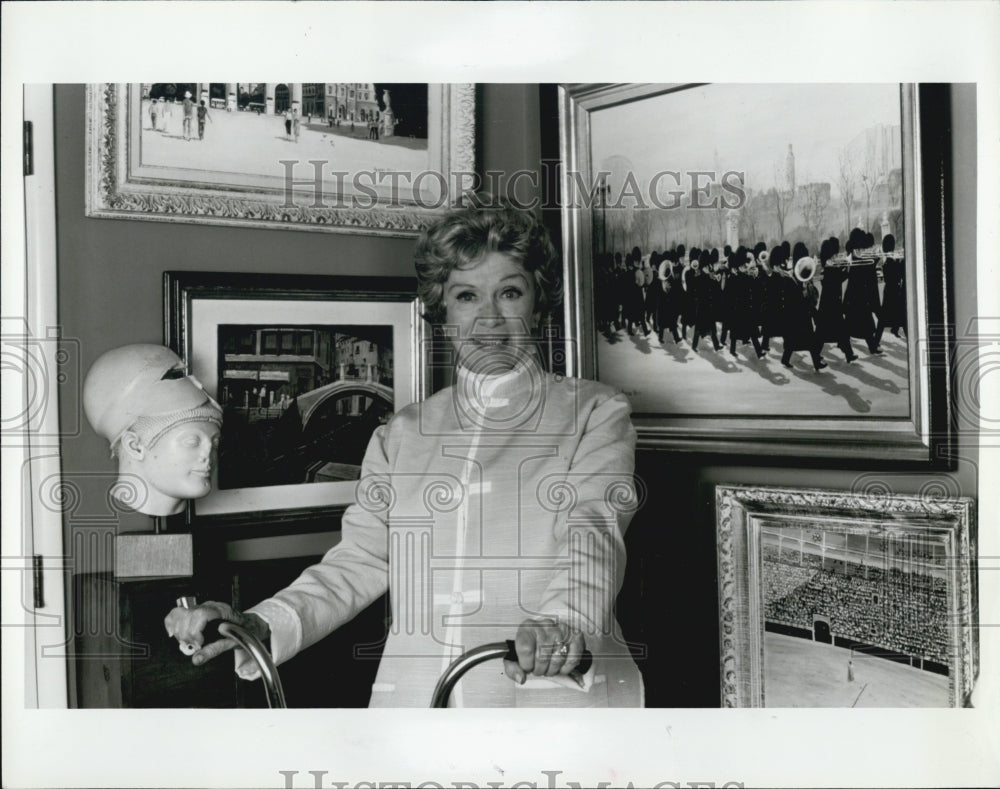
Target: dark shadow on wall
column 668, row 606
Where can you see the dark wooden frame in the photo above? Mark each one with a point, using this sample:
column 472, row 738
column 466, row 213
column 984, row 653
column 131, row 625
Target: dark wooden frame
column 182, row 288
column 926, row 437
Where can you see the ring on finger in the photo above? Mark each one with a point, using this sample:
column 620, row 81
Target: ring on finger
column 563, row 650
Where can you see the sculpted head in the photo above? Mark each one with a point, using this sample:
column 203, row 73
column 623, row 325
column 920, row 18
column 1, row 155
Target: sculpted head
column 162, row 426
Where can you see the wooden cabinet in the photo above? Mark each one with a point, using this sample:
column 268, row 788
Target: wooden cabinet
column 123, row 655
column 336, row 672
column 124, row 658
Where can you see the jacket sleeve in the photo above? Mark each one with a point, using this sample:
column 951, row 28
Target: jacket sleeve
column 352, row 575
column 591, row 558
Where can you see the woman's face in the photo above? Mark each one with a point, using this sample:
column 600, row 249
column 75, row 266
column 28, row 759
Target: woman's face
column 493, row 306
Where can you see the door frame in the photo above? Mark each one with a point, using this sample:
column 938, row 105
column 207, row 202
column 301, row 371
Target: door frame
column 34, row 597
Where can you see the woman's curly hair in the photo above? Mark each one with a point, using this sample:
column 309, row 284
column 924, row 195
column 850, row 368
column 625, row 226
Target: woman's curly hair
column 463, row 237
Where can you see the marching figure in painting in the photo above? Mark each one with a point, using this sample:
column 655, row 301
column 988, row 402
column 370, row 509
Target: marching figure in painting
column 893, row 312
column 861, row 301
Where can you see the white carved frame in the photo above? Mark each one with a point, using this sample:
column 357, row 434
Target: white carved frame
column 740, row 512
column 118, row 188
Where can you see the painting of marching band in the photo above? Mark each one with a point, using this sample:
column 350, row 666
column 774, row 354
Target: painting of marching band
column 748, row 251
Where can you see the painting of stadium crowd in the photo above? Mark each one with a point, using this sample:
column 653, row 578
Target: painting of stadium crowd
column 749, row 251
column 854, row 620
column 845, row 599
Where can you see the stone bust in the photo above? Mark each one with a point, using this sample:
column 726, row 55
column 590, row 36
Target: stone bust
column 162, row 426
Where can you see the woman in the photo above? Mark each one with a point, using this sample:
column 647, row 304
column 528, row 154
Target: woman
column 494, row 508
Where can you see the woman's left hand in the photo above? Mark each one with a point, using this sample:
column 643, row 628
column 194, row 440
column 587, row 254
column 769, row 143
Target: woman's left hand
column 544, row 648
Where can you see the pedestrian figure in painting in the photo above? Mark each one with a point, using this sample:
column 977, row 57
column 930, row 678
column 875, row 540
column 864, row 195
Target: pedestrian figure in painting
column 288, row 124
column 153, row 111
column 188, row 114
column 850, row 671
column 165, row 113
column 202, row 117
column 296, row 123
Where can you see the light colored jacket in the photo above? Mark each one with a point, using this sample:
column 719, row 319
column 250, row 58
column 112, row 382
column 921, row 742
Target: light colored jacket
column 495, row 500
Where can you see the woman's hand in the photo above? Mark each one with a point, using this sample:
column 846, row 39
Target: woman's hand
column 187, row 625
column 544, row 648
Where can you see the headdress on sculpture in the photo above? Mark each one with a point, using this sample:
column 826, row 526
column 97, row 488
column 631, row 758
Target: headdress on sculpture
column 143, row 387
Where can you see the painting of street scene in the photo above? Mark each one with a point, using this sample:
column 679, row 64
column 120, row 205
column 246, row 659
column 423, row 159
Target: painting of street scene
column 249, row 129
column 300, row 403
column 749, row 251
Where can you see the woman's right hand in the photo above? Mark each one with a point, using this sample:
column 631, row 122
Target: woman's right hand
column 187, row 625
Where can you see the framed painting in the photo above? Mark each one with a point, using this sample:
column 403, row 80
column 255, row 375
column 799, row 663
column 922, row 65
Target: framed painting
column 382, row 158
column 305, row 369
column 760, row 268
column 837, row 599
